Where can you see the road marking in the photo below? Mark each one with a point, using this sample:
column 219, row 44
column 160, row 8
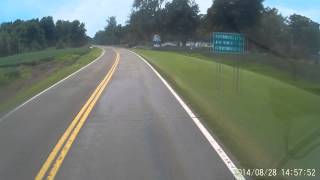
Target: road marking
column 73, row 136
column 74, row 129
column 56, row 149
column 51, row 87
column 214, row 144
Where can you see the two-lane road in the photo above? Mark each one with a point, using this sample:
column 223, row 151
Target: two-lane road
column 136, row 130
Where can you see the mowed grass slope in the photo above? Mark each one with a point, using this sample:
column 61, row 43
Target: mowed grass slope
column 268, row 124
column 20, row 66
column 303, row 74
column 22, row 76
column 34, row 58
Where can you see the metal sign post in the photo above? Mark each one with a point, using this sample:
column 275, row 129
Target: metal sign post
column 229, row 43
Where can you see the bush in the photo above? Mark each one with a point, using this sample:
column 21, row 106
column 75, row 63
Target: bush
column 60, row 45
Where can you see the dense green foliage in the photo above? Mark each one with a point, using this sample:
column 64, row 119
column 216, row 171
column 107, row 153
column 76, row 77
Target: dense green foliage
column 268, row 124
column 296, row 36
column 305, row 36
column 145, row 19
column 176, row 20
column 234, row 15
column 112, row 33
column 34, row 58
column 31, row 35
column 181, row 20
column 272, row 32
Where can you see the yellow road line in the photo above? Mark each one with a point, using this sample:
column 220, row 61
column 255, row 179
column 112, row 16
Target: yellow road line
column 84, row 113
column 64, row 137
column 72, row 137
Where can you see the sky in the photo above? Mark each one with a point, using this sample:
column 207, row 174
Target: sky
column 95, row 12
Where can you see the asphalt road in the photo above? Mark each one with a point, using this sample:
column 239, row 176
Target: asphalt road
column 137, row 130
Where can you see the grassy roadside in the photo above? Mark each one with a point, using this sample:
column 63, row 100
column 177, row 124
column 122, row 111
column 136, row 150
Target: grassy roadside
column 305, row 75
column 270, row 124
column 52, row 66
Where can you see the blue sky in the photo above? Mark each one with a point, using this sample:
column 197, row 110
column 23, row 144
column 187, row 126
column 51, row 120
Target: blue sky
column 95, row 12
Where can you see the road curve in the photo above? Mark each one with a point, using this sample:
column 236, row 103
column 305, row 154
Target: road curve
column 137, row 130
column 28, row 134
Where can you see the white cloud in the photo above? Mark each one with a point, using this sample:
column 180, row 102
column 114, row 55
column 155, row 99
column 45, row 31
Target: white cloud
column 94, row 12
column 313, row 14
column 204, row 5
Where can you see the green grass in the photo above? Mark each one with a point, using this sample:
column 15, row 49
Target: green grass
column 65, row 62
column 34, row 58
column 300, row 74
column 268, row 124
column 14, row 67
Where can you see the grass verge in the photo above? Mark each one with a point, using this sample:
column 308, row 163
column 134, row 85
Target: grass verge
column 268, row 124
column 28, row 83
column 303, row 74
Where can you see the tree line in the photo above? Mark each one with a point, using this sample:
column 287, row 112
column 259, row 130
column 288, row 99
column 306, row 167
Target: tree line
column 32, row 35
column 179, row 20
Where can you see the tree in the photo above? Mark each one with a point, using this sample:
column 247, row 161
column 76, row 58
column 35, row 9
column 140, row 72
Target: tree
column 32, row 36
column 113, row 33
column 272, row 32
column 181, row 19
column 63, row 32
column 6, row 44
column 71, row 33
column 100, row 38
column 48, row 26
column 153, row 5
column 78, row 35
column 202, row 32
column 24, row 36
column 305, row 36
column 145, row 19
column 112, row 23
column 234, row 15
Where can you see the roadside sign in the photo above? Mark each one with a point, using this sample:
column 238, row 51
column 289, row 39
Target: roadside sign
column 228, row 43
column 156, row 39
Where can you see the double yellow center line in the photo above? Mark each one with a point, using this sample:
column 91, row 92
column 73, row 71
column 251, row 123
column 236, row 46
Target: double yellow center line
column 64, row 144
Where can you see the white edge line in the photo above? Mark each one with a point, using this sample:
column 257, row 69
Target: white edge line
column 51, row 87
column 215, row 145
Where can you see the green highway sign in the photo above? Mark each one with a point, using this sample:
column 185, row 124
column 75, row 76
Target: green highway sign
column 228, row 43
